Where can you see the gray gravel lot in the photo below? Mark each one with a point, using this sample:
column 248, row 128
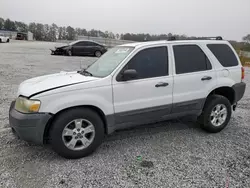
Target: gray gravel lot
column 174, row 153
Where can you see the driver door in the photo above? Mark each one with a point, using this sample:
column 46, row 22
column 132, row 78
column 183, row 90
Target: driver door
column 79, row 48
column 149, row 96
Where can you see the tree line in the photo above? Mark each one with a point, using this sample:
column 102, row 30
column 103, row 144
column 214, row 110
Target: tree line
column 46, row 32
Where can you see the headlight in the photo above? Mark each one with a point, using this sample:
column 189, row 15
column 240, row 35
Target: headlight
column 25, row 105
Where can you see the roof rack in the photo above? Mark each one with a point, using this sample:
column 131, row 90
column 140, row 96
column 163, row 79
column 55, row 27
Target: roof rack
column 198, row 38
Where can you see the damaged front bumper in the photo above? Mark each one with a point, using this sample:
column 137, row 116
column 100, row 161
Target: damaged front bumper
column 28, row 127
column 58, row 52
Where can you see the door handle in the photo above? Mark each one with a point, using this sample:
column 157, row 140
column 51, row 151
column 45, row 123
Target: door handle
column 206, row 78
column 161, row 84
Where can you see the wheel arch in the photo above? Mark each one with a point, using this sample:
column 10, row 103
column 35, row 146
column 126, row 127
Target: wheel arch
column 225, row 91
column 98, row 50
column 94, row 108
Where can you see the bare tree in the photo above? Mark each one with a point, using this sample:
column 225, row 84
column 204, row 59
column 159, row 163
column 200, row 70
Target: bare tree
column 246, row 38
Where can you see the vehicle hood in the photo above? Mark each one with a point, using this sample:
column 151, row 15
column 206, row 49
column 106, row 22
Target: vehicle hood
column 53, row 81
column 60, row 47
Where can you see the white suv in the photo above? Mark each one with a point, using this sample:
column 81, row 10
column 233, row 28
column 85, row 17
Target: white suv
column 131, row 84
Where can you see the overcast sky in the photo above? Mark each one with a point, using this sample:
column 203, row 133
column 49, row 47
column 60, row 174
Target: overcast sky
column 228, row 18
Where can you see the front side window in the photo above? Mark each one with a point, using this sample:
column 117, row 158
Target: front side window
column 224, row 54
column 190, row 58
column 109, row 61
column 149, row 63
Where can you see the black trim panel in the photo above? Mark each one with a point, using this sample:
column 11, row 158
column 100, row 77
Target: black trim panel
column 114, row 127
column 239, row 90
column 146, row 113
column 154, row 114
column 188, row 105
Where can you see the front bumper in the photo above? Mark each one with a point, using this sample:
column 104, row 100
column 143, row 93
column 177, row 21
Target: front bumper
column 57, row 52
column 28, row 127
column 239, row 90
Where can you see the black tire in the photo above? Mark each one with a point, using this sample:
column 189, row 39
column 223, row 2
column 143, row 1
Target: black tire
column 98, row 53
column 205, row 119
column 0, row 40
column 63, row 119
column 69, row 53
column 8, row 40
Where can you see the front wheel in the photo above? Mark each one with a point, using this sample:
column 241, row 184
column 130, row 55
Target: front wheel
column 69, row 53
column 216, row 114
column 8, row 40
column 77, row 133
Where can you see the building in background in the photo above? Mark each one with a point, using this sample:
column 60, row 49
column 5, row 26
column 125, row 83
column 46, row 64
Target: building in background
column 17, row 35
column 30, row 36
column 24, row 36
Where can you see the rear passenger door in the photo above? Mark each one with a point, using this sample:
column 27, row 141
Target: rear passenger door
column 91, row 48
column 193, row 79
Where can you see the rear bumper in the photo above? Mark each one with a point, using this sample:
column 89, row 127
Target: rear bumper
column 239, row 90
column 28, row 127
column 104, row 50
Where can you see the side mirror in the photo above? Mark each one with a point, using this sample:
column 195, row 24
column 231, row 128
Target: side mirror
column 129, row 74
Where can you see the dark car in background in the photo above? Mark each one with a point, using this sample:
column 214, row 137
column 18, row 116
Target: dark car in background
column 21, row 36
column 80, row 48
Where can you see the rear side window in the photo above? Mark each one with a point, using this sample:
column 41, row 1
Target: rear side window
column 190, row 58
column 91, row 44
column 224, row 54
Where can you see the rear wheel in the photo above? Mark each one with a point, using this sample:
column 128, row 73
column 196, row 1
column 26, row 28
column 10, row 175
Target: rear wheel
column 0, row 40
column 77, row 133
column 216, row 114
column 8, row 40
column 98, row 54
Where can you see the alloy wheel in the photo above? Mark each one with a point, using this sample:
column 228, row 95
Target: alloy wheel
column 78, row 134
column 218, row 115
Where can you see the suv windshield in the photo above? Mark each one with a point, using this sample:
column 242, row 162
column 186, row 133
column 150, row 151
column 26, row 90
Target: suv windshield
column 109, row 61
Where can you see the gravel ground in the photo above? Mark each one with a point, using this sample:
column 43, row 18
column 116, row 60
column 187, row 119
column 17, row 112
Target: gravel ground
column 173, row 154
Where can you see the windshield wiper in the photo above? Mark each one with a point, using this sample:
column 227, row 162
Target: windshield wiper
column 85, row 72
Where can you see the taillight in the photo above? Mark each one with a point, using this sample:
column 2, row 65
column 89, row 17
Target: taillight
column 242, row 73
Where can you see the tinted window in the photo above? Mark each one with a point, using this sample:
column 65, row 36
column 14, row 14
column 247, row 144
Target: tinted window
column 148, row 63
column 224, row 54
column 93, row 44
column 190, row 58
column 87, row 43
column 81, row 43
